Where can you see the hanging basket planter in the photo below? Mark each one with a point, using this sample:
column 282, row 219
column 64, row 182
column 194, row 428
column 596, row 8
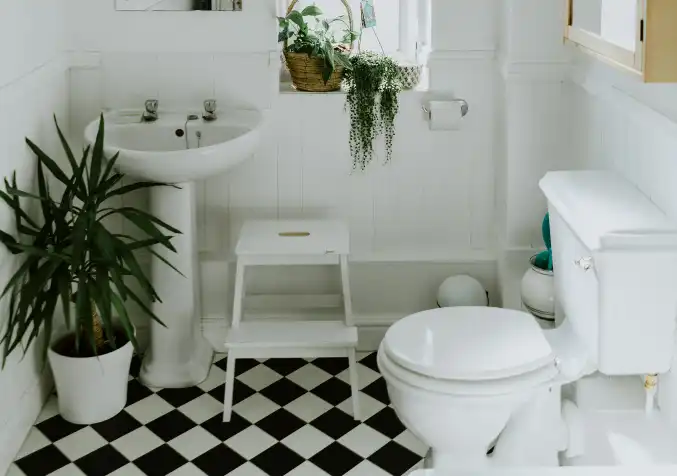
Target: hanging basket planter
column 307, row 71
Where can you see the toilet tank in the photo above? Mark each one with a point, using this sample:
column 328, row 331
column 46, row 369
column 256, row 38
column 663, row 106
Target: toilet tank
column 615, row 266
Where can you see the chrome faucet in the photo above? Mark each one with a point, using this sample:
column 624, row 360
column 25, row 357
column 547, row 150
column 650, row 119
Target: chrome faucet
column 150, row 114
column 210, row 110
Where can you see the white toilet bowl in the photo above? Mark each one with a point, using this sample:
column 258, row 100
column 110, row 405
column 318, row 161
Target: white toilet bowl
column 456, row 375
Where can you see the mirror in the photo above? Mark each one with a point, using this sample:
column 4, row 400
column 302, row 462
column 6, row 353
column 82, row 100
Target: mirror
column 179, row 5
column 614, row 21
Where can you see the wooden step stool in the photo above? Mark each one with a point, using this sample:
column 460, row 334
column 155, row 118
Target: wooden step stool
column 275, row 243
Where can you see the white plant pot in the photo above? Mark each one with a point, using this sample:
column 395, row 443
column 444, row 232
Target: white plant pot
column 91, row 389
column 538, row 294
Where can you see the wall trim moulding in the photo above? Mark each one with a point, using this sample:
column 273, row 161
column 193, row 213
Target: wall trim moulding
column 546, row 71
column 461, row 55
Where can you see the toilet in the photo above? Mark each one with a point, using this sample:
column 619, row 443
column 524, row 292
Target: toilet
column 469, row 381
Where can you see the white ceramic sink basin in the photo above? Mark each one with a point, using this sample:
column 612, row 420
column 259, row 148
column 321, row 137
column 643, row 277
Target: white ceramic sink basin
column 173, row 149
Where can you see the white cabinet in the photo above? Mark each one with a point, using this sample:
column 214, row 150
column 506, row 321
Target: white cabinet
column 638, row 35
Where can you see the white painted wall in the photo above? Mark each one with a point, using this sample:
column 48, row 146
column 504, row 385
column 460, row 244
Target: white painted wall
column 33, row 82
column 433, row 203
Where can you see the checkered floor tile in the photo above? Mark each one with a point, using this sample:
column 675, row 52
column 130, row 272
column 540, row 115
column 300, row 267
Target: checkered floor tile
column 290, row 417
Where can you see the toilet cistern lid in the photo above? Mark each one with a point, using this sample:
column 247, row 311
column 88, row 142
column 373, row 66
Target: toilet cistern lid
column 468, row 343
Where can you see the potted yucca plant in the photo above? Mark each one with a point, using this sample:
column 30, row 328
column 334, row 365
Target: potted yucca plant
column 70, row 257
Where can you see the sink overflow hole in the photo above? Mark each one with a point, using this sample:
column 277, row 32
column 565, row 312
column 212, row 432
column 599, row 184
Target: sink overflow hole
column 179, row 133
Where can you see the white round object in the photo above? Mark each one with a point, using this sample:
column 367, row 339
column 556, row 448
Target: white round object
column 461, row 290
column 538, row 294
column 468, row 343
column 91, row 389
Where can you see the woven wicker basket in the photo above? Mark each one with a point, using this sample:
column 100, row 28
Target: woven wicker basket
column 306, row 72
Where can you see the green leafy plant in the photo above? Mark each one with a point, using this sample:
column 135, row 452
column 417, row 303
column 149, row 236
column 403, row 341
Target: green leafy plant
column 319, row 39
column 373, row 87
column 70, row 256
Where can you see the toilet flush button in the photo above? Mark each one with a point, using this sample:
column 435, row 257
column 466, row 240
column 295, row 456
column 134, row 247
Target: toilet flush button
column 585, row 263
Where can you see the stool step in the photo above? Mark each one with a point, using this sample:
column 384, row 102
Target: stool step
column 292, row 334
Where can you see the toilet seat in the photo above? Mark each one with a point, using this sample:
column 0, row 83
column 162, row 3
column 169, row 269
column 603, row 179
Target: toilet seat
column 468, row 343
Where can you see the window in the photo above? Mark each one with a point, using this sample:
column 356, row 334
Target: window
column 403, row 27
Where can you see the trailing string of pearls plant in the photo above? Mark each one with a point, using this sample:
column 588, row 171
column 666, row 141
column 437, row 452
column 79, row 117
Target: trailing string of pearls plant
column 373, row 85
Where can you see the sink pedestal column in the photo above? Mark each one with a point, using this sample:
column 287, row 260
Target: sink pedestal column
column 178, row 355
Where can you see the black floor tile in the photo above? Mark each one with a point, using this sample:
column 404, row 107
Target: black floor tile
column 180, row 396
column 116, row 427
column 219, row 461
column 224, row 431
column 333, row 391
column 335, row 423
column 280, row 424
column 386, row 422
column 336, row 459
column 171, row 425
column 43, row 462
column 332, row 365
column 277, row 460
column 283, row 391
column 101, row 462
column 241, row 392
column 160, row 462
column 285, row 366
column 56, row 428
column 370, row 362
column 395, row 459
column 136, row 392
column 378, row 390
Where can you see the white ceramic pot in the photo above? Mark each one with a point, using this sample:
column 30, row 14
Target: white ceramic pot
column 538, row 294
column 91, row 389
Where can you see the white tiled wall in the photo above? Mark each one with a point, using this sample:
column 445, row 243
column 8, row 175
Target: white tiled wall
column 32, row 88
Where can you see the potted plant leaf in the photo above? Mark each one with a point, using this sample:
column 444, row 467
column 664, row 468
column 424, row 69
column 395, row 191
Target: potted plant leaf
column 373, row 84
column 71, row 257
column 314, row 54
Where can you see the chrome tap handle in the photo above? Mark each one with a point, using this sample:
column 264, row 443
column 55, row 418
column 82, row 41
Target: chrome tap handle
column 151, row 106
column 210, row 106
column 586, row 263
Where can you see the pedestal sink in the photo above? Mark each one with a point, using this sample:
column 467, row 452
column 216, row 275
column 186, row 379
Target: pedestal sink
column 178, row 148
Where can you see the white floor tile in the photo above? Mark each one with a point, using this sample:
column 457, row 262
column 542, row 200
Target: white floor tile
column 251, row 442
column 69, row 470
column 259, row 377
column 137, row 443
column 194, row 442
column 128, row 470
column 307, row 469
column 307, row 441
column 247, row 469
column 215, row 378
column 367, row 468
column 33, row 442
column 255, row 408
column 149, row 409
column 80, row 443
column 187, row 470
column 202, row 408
column 365, row 376
column 50, row 409
column 364, row 440
column 411, row 442
column 309, row 377
column 369, row 406
column 308, row 407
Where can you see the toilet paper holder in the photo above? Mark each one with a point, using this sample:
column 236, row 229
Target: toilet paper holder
column 464, row 108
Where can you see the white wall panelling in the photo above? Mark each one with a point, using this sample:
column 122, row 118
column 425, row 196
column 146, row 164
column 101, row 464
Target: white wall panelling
column 33, row 86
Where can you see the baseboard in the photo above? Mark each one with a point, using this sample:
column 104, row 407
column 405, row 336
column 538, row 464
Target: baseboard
column 371, row 330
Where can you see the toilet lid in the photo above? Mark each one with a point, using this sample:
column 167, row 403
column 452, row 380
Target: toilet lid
column 468, row 343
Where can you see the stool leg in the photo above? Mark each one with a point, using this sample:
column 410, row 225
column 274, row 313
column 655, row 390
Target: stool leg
column 238, row 297
column 345, row 283
column 354, row 388
column 230, row 381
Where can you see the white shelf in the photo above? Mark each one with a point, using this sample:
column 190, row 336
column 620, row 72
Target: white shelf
column 269, row 334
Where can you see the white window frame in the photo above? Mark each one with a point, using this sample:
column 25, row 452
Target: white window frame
column 414, row 36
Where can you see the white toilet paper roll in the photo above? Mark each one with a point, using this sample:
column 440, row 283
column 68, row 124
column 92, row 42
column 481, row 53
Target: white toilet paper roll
column 445, row 115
